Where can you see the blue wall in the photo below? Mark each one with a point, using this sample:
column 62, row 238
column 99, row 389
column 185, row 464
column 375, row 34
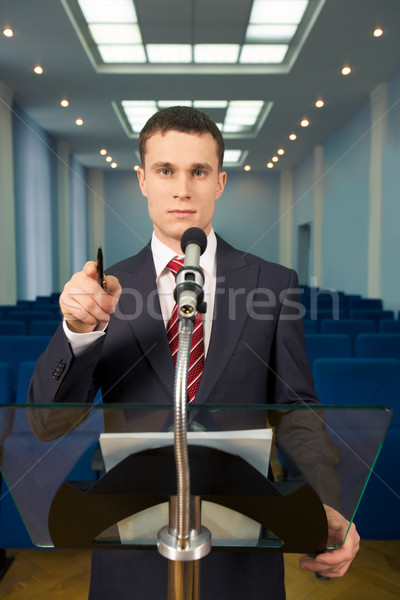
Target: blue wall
column 35, row 194
column 247, row 214
column 303, row 205
column 127, row 224
column 79, row 215
column 390, row 276
column 346, row 205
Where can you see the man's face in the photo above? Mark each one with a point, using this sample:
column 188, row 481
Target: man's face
column 181, row 182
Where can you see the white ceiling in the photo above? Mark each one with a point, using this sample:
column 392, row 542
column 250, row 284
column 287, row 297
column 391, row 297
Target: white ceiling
column 341, row 34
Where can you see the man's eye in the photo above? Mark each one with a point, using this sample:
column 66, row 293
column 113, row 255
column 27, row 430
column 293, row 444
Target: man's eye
column 198, row 173
column 165, row 172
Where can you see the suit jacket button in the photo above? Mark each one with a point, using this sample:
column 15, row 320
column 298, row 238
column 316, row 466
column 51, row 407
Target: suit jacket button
column 59, row 369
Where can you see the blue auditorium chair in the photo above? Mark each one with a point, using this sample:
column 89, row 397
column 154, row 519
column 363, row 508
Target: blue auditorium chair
column 27, row 316
column 349, row 298
column 357, row 380
column 44, row 299
column 378, row 345
column 327, row 346
column 310, row 326
column 25, row 304
column 54, row 309
column 366, row 304
column 12, row 328
column 351, row 327
column 6, row 308
column 43, row 327
column 375, row 315
column 5, row 383
column 389, row 326
column 16, row 349
column 374, row 382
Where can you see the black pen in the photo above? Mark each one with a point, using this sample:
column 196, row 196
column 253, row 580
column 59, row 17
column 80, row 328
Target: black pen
column 100, row 268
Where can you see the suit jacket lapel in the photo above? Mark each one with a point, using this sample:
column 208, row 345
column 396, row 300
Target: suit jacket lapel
column 235, row 277
column 140, row 298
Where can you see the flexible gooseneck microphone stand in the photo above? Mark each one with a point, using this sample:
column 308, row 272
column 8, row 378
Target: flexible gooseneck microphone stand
column 184, row 541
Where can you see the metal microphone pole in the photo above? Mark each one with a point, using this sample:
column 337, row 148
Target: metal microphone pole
column 184, row 541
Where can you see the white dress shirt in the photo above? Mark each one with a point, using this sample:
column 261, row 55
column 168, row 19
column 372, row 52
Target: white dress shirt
column 165, row 281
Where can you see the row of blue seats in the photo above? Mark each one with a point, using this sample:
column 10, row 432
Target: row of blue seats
column 371, row 314
column 29, row 327
column 41, row 311
column 16, row 349
column 337, row 303
column 362, row 345
column 351, row 326
column 372, row 382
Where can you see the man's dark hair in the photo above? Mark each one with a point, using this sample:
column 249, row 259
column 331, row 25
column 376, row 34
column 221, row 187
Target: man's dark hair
column 184, row 119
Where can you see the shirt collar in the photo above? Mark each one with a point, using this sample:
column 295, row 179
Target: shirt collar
column 162, row 254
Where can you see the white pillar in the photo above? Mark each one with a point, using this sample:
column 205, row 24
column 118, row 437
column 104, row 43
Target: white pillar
column 64, row 213
column 96, row 234
column 318, row 207
column 379, row 105
column 286, row 219
column 8, row 262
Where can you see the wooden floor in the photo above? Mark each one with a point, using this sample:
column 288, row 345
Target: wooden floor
column 64, row 575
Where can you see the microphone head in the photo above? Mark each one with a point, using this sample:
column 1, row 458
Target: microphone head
column 194, row 235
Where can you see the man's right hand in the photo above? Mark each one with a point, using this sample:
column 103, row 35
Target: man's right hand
column 85, row 304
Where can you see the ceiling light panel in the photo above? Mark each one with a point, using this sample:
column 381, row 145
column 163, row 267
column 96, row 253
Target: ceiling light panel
column 120, row 53
column 216, row 53
column 115, row 33
column 263, row 53
column 168, row 103
column 278, row 11
column 234, row 158
column 210, row 103
column 239, row 116
column 104, row 11
column 270, row 33
column 169, row 53
column 138, row 112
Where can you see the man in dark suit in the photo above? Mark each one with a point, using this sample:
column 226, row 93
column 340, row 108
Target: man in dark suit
column 253, row 343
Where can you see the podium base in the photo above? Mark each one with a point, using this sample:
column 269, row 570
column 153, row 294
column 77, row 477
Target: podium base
column 199, row 545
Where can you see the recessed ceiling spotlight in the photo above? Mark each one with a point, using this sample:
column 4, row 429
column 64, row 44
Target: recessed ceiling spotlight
column 281, row 152
column 8, row 32
column 247, row 167
column 113, row 165
column 79, row 122
column 304, row 122
column 346, row 70
column 319, row 103
column 378, row 32
column 270, row 165
column 103, row 152
column 38, row 70
column 64, row 103
column 274, row 159
column 108, row 158
column 292, row 137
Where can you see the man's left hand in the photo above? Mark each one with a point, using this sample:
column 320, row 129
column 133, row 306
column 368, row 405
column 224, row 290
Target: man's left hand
column 334, row 563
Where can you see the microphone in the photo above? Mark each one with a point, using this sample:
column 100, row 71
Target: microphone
column 188, row 292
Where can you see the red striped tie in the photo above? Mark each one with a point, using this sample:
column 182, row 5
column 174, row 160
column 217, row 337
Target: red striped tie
column 196, row 359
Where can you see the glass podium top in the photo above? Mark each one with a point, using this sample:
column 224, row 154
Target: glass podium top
column 103, row 475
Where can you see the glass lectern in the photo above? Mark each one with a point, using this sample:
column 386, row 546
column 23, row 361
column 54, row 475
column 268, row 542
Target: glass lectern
column 104, row 476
